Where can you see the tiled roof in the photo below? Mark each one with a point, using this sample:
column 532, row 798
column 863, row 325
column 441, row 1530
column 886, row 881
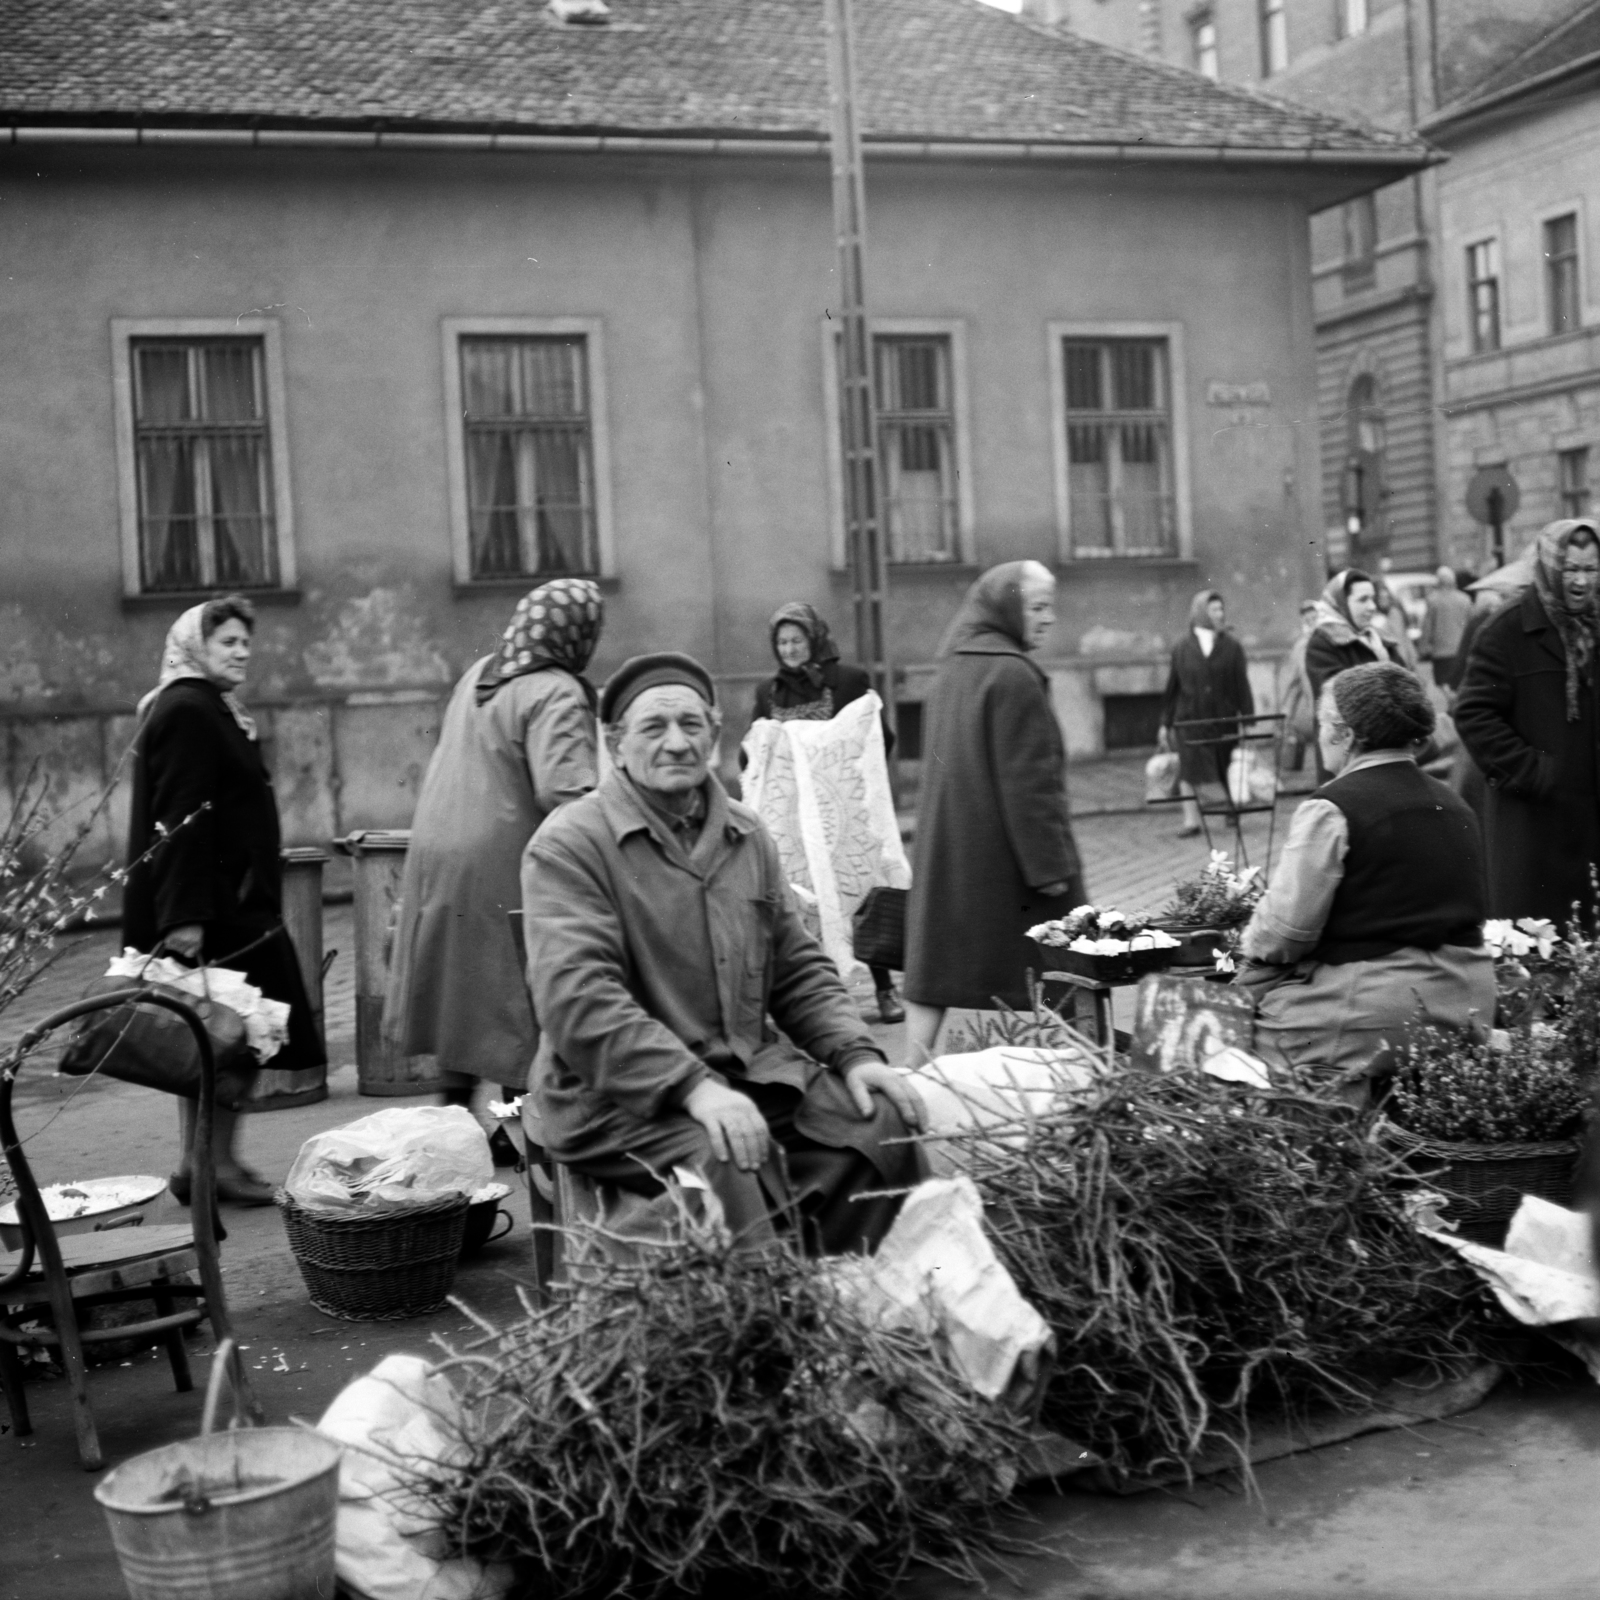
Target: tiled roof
column 1564, row 46
column 929, row 70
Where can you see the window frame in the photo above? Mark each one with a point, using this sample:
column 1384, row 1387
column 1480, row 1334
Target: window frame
column 1546, row 220
column 1273, row 25
column 1570, row 486
column 125, row 331
column 1202, row 22
column 955, row 330
column 1359, row 273
column 1056, row 334
column 1490, row 241
column 451, row 332
column 1351, row 18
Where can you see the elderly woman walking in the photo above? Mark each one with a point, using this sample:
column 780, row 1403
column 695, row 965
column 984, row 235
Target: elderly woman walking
column 204, row 878
column 1527, row 716
column 994, row 848
column 813, row 685
column 518, row 740
column 1208, row 689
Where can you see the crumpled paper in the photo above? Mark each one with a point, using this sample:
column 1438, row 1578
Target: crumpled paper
column 266, row 1022
column 405, row 1156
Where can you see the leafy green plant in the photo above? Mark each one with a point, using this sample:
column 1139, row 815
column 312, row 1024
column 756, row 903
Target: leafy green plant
column 1220, row 897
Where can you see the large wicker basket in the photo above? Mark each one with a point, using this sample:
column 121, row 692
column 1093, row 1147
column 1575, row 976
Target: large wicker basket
column 1485, row 1183
column 377, row 1269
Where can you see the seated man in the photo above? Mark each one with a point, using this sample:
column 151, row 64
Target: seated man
column 1374, row 917
column 663, row 944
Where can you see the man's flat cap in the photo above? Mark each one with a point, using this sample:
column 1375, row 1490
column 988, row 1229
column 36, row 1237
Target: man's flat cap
column 639, row 673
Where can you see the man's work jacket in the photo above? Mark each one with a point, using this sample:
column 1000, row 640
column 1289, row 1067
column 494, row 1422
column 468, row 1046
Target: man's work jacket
column 651, row 967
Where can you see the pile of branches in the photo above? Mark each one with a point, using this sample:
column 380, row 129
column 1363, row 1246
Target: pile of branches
column 706, row 1418
column 1208, row 1255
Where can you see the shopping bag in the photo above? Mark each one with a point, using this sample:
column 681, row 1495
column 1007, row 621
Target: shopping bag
column 1250, row 781
column 878, row 929
column 156, row 1048
column 1161, row 776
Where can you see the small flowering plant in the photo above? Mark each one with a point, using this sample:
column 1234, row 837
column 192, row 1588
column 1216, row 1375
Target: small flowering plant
column 1221, row 897
column 1093, row 931
column 1511, row 1088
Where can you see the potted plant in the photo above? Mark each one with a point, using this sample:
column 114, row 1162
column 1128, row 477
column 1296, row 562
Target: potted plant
column 1205, row 911
column 1105, row 945
column 1489, row 1120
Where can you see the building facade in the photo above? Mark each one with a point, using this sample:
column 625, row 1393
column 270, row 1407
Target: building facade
column 387, row 377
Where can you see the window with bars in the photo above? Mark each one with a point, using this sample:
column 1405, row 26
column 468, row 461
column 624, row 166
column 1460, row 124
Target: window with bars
column 529, row 456
column 1483, row 295
column 1274, row 37
column 1203, row 45
column 203, row 465
column 1360, row 244
column 1561, row 272
column 1119, row 447
column 916, row 447
column 1572, row 476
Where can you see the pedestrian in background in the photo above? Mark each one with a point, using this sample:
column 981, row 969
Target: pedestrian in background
column 519, row 739
column 1345, row 635
column 204, row 874
column 1527, row 715
column 813, row 685
column 994, row 849
column 1208, row 688
column 1443, row 626
column 1299, row 704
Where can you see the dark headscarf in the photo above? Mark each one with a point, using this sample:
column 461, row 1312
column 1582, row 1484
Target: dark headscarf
column 1577, row 628
column 1199, row 617
column 556, row 625
column 993, row 607
column 807, row 679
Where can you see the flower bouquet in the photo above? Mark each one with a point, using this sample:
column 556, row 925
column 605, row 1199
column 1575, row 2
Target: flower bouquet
column 1207, row 913
column 1105, row 945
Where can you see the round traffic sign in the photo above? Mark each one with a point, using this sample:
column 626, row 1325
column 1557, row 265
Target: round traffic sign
column 1485, row 481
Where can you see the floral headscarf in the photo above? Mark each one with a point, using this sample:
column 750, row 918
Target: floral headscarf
column 1333, row 612
column 1577, row 628
column 556, row 625
column 809, row 675
column 993, row 605
column 184, row 656
column 1199, row 616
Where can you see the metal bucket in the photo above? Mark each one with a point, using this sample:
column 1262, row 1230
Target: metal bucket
column 242, row 1515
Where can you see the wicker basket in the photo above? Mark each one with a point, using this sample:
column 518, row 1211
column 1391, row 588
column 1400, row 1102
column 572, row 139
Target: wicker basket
column 377, row 1269
column 1485, row 1183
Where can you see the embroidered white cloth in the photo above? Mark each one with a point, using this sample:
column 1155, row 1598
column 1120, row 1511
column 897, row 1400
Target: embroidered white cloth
column 822, row 788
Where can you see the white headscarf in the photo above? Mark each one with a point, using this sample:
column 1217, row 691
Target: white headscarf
column 184, row 657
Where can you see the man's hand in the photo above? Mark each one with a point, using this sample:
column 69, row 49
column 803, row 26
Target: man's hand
column 738, row 1130
column 866, row 1078
column 185, row 941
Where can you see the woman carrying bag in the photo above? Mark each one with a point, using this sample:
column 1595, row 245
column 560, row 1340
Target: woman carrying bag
column 204, row 878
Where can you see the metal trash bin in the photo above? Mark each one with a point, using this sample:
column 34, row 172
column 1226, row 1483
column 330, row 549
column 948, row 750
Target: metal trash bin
column 302, row 915
column 378, row 856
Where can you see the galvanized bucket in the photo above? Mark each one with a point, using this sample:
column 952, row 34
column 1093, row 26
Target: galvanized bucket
column 242, row 1515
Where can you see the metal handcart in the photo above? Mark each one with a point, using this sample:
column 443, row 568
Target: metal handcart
column 1216, row 740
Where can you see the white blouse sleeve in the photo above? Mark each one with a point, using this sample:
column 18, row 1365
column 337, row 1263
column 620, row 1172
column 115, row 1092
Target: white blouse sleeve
column 1290, row 917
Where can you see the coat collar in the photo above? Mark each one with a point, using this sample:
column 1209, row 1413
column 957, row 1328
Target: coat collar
column 996, row 644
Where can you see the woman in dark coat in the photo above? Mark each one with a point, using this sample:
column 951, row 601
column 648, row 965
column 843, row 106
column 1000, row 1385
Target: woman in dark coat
column 204, row 879
column 994, row 850
column 1209, row 679
column 1346, row 635
column 813, row 685
column 1527, row 715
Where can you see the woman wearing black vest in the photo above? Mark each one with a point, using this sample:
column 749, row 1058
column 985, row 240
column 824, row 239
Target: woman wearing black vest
column 1374, row 917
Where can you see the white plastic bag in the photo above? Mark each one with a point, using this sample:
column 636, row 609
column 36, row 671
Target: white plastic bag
column 1250, row 782
column 405, row 1156
column 1162, row 776
column 266, row 1022
column 401, row 1419
column 936, row 1272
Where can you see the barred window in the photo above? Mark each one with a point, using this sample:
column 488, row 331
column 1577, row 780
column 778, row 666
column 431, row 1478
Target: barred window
column 916, row 447
column 1119, row 447
column 529, row 456
column 1561, row 272
column 203, row 465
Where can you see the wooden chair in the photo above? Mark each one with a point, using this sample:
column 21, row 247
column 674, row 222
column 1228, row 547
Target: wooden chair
column 61, row 1279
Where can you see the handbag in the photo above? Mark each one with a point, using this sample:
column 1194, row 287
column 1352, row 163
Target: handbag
column 878, row 928
column 1162, row 776
column 156, row 1049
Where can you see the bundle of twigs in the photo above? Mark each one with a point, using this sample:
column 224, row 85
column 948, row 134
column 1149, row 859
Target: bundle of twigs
column 1206, row 1254
column 709, row 1417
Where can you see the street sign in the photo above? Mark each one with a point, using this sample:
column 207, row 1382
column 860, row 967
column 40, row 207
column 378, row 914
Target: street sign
column 1480, row 505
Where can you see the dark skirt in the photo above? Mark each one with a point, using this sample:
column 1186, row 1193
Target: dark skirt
column 262, row 950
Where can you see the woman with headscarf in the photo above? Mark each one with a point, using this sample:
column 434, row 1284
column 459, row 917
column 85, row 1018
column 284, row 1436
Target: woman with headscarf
column 518, row 740
column 813, row 685
column 1209, row 689
column 1346, row 634
column 1527, row 715
column 204, row 879
column 994, row 849
column 1373, row 920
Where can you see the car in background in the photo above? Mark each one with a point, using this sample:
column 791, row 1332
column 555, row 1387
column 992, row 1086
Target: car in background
column 1412, row 589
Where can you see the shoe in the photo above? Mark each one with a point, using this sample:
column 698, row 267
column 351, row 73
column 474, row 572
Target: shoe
column 504, row 1152
column 889, row 1007
column 1189, row 831
column 179, row 1184
column 246, row 1189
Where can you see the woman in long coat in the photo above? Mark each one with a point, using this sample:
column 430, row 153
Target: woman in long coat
column 1210, row 679
column 518, row 740
column 204, row 877
column 1527, row 716
column 994, row 849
